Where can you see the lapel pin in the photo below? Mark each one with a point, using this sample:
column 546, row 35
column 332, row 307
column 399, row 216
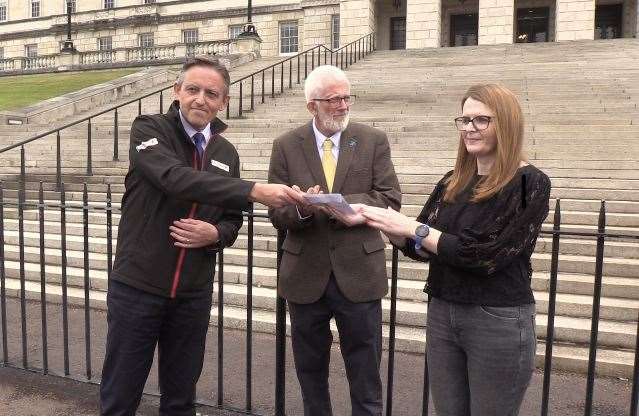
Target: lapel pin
column 352, row 142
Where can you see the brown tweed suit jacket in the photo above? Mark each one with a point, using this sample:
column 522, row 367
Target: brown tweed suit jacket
column 318, row 245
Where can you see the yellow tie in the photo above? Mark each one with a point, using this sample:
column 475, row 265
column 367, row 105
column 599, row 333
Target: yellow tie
column 328, row 163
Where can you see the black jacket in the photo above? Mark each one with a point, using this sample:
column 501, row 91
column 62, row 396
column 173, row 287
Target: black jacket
column 163, row 185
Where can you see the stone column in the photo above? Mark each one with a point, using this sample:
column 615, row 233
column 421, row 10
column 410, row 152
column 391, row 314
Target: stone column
column 637, row 18
column 423, row 23
column 496, row 22
column 575, row 19
column 356, row 19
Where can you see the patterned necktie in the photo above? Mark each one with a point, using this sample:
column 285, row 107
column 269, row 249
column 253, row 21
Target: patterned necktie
column 200, row 141
column 328, row 163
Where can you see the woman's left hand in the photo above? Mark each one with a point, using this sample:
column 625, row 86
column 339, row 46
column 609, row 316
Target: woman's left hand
column 390, row 221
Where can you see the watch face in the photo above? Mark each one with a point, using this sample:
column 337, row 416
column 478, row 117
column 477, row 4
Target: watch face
column 422, row 230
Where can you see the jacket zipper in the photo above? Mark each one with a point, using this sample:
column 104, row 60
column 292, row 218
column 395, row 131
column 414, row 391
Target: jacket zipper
column 182, row 254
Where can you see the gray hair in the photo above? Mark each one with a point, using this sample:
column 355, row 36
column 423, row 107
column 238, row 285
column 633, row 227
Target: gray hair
column 204, row 61
column 321, row 76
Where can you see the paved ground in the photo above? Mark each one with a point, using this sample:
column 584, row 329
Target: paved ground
column 28, row 393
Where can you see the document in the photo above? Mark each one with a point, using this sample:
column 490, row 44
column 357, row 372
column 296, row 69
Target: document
column 335, row 201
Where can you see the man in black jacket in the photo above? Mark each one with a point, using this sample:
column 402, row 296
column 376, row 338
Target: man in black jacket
column 182, row 203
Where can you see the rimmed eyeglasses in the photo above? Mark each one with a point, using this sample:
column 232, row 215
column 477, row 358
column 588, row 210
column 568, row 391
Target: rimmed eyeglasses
column 480, row 122
column 335, row 101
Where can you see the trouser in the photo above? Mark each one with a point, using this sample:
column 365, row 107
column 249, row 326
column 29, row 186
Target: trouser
column 480, row 358
column 360, row 333
column 137, row 321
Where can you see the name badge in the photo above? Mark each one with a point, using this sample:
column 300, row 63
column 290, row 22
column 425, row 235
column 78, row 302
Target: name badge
column 145, row 144
column 220, row 165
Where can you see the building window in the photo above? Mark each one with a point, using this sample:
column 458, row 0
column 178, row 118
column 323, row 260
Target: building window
column 105, row 43
column 148, row 2
column 3, row 11
column 109, row 4
column 288, row 37
column 235, row 31
column 66, row 4
column 1, row 53
column 189, row 36
column 35, row 8
column 146, row 40
column 31, row 50
column 335, row 31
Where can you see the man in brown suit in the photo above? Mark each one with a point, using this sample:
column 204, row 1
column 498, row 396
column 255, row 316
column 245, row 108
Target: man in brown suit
column 334, row 265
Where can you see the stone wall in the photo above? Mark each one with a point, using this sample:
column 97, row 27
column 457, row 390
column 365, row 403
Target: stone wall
column 423, row 23
column 575, row 20
column 496, row 22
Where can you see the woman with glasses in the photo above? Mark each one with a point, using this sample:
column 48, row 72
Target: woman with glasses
column 478, row 230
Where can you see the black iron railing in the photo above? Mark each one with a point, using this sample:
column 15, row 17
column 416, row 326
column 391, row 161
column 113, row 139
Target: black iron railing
column 106, row 209
column 275, row 73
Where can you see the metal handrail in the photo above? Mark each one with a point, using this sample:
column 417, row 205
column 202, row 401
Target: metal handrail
column 114, row 108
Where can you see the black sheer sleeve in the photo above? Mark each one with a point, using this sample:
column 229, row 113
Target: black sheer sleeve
column 428, row 215
column 494, row 242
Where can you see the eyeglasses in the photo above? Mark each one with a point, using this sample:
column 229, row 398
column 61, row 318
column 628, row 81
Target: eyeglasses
column 349, row 100
column 480, row 122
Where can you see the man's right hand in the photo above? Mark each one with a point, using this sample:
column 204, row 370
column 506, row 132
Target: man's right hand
column 306, row 210
column 275, row 195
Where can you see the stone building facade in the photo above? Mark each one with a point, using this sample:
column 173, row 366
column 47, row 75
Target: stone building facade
column 30, row 28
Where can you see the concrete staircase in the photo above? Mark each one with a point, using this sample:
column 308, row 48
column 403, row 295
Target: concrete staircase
column 580, row 101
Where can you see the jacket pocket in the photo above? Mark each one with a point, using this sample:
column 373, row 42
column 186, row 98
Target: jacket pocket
column 292, row 246
column 373, row 245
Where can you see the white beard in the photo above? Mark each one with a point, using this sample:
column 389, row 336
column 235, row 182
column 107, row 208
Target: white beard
column 335, row 125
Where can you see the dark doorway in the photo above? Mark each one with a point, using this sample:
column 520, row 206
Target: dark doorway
column 532, row 24
column 463, row 29
column 608, row 21
column 398, row 33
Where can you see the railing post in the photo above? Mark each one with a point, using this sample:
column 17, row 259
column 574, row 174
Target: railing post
column 220, row 328
column 161, row 102
column 87, row 281
column 290, row 74
column 109, row 221
column 43, row 282
column 305, row 66
column 23, row 309
column 89, row 152
column 280, row 339
column 298, row 69
column 249, row 311
column 391, row 333
column 596, row 303
column 3, row 293
column 252, row 93
column 58, row 161
column 273, row 82
column 282, row 77
column 116, row 136
column 239, row 108
column 634, row 397
column 552, row 297
column 63, row 250
column 263, row 87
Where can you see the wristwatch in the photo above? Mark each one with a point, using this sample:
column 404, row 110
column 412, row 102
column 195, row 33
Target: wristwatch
column 421, row 232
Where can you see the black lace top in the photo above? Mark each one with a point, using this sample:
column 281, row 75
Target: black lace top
column 484, row 250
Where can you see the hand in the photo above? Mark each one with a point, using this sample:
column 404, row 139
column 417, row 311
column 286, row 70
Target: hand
column 348, row 219
column 275, row 195
column 307, row 209
column 192, row 233
column 391, row 222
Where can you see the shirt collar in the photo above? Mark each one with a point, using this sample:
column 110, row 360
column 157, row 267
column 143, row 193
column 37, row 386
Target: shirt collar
column 190, row 130
column 319, row 137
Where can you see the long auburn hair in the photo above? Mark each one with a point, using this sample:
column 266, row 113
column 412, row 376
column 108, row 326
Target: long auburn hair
column 509, row 128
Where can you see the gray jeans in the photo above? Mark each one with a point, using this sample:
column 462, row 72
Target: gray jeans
column 480, row 358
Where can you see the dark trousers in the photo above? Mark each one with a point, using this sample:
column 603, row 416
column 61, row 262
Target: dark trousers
column 137, row 321
column 480, row 358
column 360, row 332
